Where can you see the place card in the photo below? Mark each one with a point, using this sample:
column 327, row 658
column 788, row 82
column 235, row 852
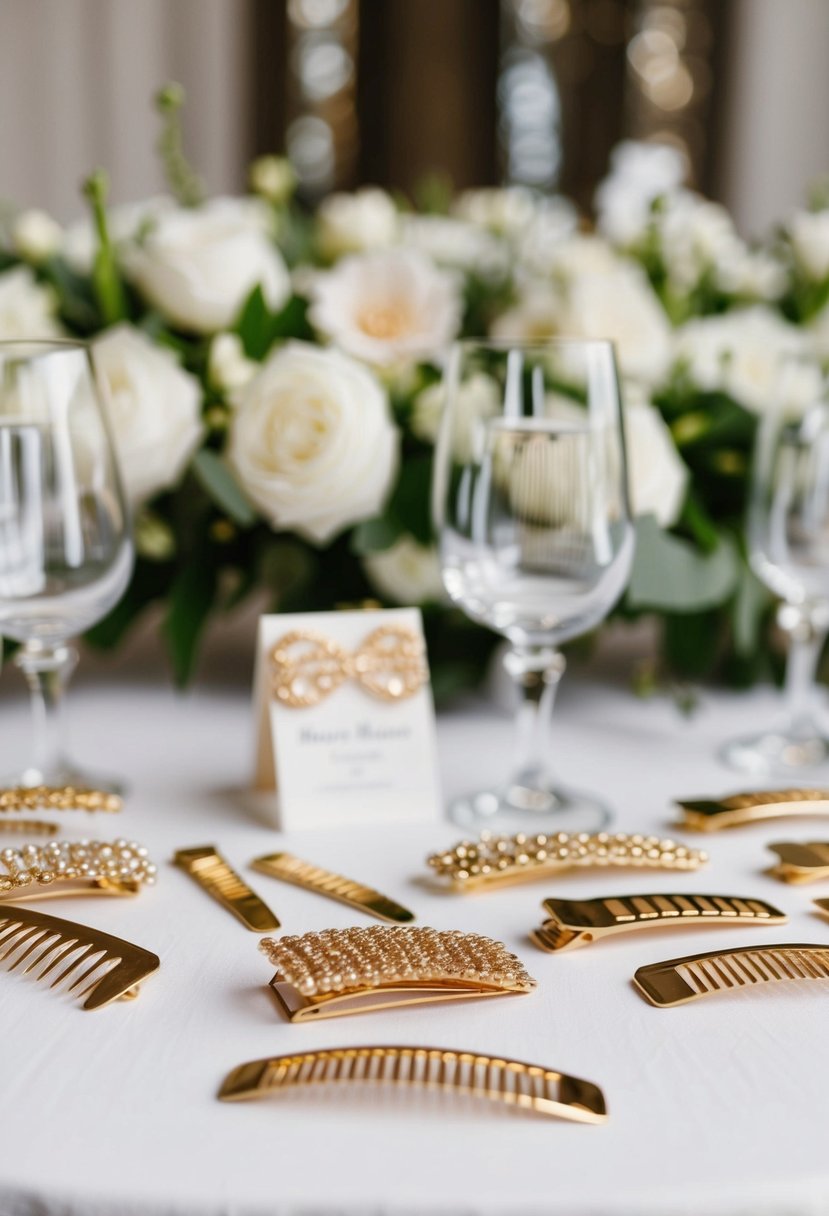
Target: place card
column 345, row 720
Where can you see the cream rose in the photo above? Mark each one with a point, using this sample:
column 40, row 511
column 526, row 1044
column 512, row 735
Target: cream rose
column 657, row 477
column 27, row 309
column 352, row 223
column 312, row 443
column 198, row 266
column 639, row 174
column 459, row 246
column 406, row 573
column 36, row 236
column 809, row 235
column 154, row 410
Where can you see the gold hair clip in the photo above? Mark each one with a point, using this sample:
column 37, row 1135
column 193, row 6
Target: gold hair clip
column 528, row 1086
column 111, row 969
column 68, row 867
column 739, row 810
column 291, row 869
column 307, row 666
column 497, row 860
column 341, row 971
column 57, row 798
column 32, row 827
column 577, row 922
column 823, row 904
column 215, row 876
column 684, row 979
column 800, row 860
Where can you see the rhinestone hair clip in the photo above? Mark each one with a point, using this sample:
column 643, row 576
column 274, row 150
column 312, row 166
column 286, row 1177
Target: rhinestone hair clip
column 69, row 867
column 529, row 1087
column 686, row 979
column 578, row 922
column 497, row 860
column 215, row 876
column 740, row 810
column 303, row 874
column 307, row 667
column 800, row 860
column 342, row 971
column 57, row 798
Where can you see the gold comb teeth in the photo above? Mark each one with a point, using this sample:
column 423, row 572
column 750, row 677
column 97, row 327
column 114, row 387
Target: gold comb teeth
column 303, row 874
column 57, row 798
column 685, row 979
column 83, row 867
column 740, row 810
column 510, row 1082
column 96, row 965
column 341, row 971
column 801, row 860
column 573, row 923
column 215, row 876
column 497, row 860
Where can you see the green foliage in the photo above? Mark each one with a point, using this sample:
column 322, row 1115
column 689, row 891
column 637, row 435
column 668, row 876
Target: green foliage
column 106, row 279
column 669, row 575
column 259, row 328
column 217, row 479
column 190, row 601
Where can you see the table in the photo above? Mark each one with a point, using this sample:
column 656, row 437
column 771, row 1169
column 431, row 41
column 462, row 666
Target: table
column 715, row 1107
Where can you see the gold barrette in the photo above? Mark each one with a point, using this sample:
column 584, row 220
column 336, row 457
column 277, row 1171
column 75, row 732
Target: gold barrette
column 69, row 867
column 217, row 878
column 684, row 979
column 577, row 922
column 497, row 860
column 801, row 860
column 110, row 969
column 313, row 878
column 528, row 1086
column 307, row 666
column 32, row 827
column 738, row 810
column 340, row 971
column 57, row 798
column 823, row 904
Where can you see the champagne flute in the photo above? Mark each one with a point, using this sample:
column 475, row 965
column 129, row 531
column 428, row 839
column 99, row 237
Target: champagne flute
column 65, row 546
column 536, row 540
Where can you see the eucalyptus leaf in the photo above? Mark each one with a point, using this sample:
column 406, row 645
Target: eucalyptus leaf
column 217, row 479
column 670, row 575
column 191, row 600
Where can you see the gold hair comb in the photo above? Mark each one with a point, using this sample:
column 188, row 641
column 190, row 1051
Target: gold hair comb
column 340, row 971
column 307, row 666
column 498, row 860
column 801, row 860
column 218, row 879
column 577, row 922
column 68, row 867
column 684, row 979
column 738, row 810
column 528, row 1086
column 291, row 869
column 57, row 798
column 111, row 969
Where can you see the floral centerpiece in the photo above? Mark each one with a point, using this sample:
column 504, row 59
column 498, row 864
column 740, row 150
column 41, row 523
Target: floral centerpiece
column 275, row 392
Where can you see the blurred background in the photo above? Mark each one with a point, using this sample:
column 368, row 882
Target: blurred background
column 390, row 91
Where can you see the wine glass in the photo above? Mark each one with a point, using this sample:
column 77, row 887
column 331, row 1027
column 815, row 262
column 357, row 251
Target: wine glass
column 536, row 539
column 65, row 547
column 788, row 541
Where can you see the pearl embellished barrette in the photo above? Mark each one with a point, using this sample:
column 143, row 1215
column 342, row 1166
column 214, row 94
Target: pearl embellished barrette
column 69, row 867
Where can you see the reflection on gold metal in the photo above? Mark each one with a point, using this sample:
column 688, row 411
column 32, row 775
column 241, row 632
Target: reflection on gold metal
column 801, row 860
column 685, row 979
column 69, row 867
column 823, row 904
column 303, row 874
column 215, row 876
column 497, row 860
column 510, row 1082
column 57, row 798
column 307, row 666
column 737, row 810
column 30, row 827
column 577, row 922
column 96, row 965
column 342, row 971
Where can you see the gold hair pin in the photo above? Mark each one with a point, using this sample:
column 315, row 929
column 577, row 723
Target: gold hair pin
column 497, row 860
column 215, row 876
column 57, row 798
column 800, row 860
column 68, row 867
column 528, row 1086
column 100, row 967
column 31, row 827
column 306, row 667
column 341, row 971
column 577, row 922
column 685, row 979
column 291, row 869
column 739, row 810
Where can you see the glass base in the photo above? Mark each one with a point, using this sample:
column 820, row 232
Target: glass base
column 776, row 752
column 64, row 774
column 518, row 808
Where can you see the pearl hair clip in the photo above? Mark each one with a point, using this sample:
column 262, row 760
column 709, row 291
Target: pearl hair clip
column 741, row 810
column 83, row 867
column 57, row 798
column 680, row 980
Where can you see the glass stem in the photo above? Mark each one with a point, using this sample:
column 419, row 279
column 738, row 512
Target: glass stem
column 806, row 644
column 535, row 671
column 47, row 670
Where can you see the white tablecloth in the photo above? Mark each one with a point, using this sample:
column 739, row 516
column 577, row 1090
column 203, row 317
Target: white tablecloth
column 717, row 1107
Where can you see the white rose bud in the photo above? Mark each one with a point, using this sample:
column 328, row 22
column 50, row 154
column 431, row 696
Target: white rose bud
column 228, row 367
column 27, row 308
column 809, row 232
column 273, row 178
column 36, row 236
column 352, row 223
column 312, row 443
column 406, row 573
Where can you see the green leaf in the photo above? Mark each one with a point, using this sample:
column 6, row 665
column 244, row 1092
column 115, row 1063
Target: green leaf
column 692, row 642
column 217, row 479
column 670, row 575
column 254, row 325
column 411, row 501
column 191, row 601
column 750, row 605
column 375, row 535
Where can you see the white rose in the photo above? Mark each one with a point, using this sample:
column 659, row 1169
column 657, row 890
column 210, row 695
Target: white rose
column 478, row 398
column 752, row 274
column 553, row 226
column 696, row 236
column 352, row 223
column 228, row 367
column 126, row 223
column 27, row 308
column 506, row 211
column 582, row 255
column 154, row 409
column 809, row 234
column 36, row 236
column 639, row 174
column 657, row 476
column 198, row 266
column 534, row 318
column 406, row 573
column 387, row 307
column 312, row 443
column 460, row 246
